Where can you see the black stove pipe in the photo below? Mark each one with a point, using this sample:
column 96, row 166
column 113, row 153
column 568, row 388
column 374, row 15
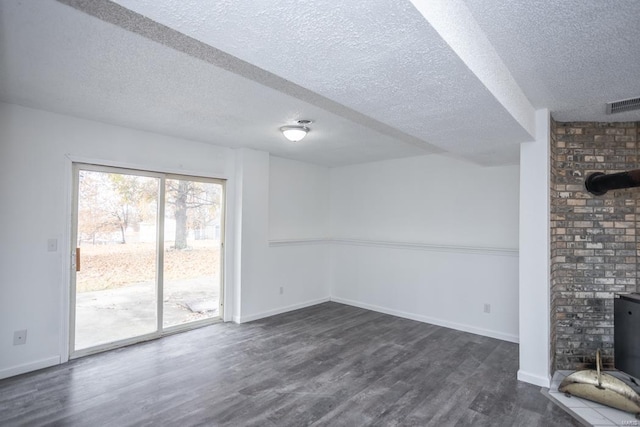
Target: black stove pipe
column 599, row 183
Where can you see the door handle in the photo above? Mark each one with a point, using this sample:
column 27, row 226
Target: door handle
column 77, row 259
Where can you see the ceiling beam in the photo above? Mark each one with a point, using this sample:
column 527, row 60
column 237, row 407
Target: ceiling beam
column 113, row 13
column 457, row 27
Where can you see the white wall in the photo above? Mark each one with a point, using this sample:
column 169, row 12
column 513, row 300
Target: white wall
column 36, row 148
column 433, row 199
column 534, row 255
column 35, row 181
column 298, row 200
column 284, row 200
column 429, row 238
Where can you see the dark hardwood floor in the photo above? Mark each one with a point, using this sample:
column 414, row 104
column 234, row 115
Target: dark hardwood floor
column 326, row 365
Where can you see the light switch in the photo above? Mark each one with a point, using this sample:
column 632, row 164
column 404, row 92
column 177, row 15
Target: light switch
column 52, row 245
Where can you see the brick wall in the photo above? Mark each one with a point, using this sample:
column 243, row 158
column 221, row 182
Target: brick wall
column 594, row 245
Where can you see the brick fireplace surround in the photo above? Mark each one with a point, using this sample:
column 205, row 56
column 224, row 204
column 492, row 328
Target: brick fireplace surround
column 594, row 243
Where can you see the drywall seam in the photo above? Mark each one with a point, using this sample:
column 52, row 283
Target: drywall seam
column 428, row 247
column 397, row 245
column 299, row 242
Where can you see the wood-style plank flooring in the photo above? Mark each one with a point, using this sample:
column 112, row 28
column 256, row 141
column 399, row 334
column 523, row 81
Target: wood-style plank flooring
column 327, row 365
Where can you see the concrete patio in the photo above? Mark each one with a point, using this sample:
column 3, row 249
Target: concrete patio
column 115, row 314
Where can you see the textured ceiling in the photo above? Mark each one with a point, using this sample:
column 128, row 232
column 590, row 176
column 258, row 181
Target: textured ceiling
column 65, row 61
column 570, row 56
column 381, row 79
column 379, row 57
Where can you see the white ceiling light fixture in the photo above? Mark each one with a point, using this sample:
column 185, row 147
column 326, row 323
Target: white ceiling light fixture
column 295, row 133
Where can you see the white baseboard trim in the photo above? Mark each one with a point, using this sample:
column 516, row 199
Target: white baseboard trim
column 539, row 380
column 28, row 367
column 269, row 313
column 432, row 320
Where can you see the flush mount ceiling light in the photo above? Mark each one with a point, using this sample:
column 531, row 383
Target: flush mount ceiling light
column 295, row 133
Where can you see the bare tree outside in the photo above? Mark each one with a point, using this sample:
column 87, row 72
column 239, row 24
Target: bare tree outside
column 93, row 218
column 195, row 206
column 133, row 195
column 118, row 229
column 116, row 203
column 111, row 203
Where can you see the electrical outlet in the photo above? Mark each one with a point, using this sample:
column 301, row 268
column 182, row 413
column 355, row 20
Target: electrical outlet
column 487, row 308
column 20, row 337
column 281, row 290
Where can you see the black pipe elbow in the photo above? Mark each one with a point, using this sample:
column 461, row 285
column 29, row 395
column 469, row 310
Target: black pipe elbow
column 599, row 183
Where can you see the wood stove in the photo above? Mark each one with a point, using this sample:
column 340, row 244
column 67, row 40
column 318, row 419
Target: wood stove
column 627, row 334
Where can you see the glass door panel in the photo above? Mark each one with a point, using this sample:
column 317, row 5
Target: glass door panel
column 115, row 282
column 148, row 255
column 192, row 250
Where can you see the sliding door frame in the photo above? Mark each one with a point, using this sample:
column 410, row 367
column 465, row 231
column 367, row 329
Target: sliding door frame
column 76, row 167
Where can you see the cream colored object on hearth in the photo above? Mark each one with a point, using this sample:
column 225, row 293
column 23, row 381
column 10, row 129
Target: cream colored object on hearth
column 602, row 388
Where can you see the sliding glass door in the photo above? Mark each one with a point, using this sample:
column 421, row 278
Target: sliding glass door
column 148, row 256
column 192, row 236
